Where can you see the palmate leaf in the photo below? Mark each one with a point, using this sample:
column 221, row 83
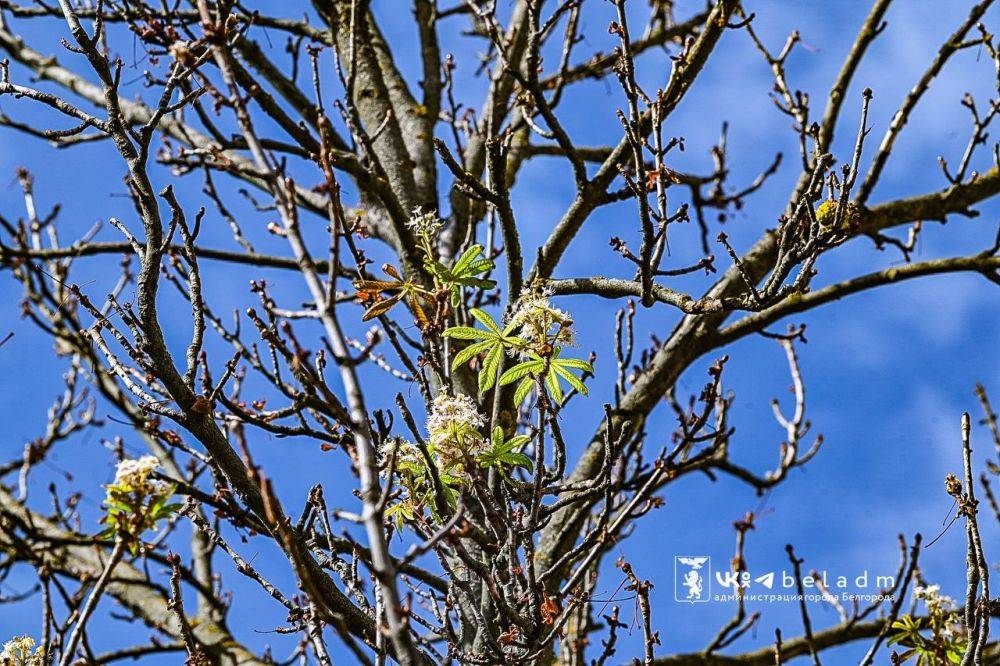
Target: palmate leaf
column 401, row 290
column 465, row 333
column 559, row 369
column 481, row 266
column 553, row 387
column 523, row 389
column 438, row 270
column 571, row 379
column 493, row 342
column 463, row 273
column 504, row 453
column 470, row 265
column 467, row 278
column 466, row 260
column 400, row 513
column 165, row 511
column 381, row 307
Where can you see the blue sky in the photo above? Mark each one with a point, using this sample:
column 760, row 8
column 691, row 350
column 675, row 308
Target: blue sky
column 888, row 373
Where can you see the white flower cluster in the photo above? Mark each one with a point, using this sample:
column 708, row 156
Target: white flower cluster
column 406, row 453
column 134, row 473
column 931, row 595
column 453, row 425
column 538, row 317
column 18, row 652
column 942, row 610
column 424, row 223
column 447, row 412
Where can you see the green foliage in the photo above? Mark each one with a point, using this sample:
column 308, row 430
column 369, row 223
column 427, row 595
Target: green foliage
column 502, row 454
column 437, row 472
column 130, row 514
column 493, row 342
column 454, row 451
column 555, row 369
column 135, row 504
column 927, row 651
column 935, row 640
column 417, row 478
column 545, row 327
column 456, row 447
column 463, row 273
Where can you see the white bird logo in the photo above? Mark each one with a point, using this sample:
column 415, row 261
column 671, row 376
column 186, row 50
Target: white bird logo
column 693, row 562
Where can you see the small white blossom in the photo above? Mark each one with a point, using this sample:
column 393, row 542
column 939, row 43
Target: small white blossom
column 134, row 472
column 942, row 610
column 538, row 317
column 453, row 425
column 931, row 595
column 448, row 411
column 135, row 502
column 424, row 223
column 406, row 455
column 18, row 652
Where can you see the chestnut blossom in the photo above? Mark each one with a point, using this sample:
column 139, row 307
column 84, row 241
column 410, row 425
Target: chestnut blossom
column 539, row 319
column 134, row 473
column 18, row 652
column 454, row 424
column 426, row 224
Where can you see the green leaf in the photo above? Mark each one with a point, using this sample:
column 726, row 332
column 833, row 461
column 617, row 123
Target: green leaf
column 523, row 389
column 465, row 333
column 466, row 354
column 517, row 441
column 486, row 320
column 571, row 379
column 466, row 259
column 166, row 511
column 576, row 364
column 503, row 452
column 519, row 460
column 400, row 513
column 440, row 270
column 554, row 389
column 488, row 374
column 493, row 339
column 476, row 282
column 120, row 507
column 520, row 371
column 480, row 266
